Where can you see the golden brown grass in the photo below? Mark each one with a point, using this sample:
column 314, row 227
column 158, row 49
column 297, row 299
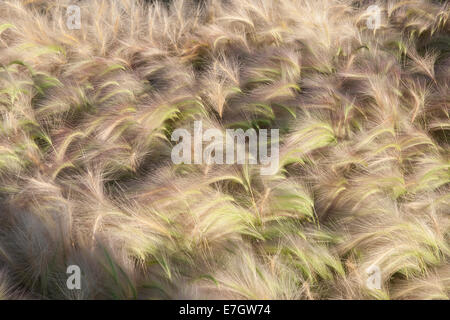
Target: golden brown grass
column 85, row 171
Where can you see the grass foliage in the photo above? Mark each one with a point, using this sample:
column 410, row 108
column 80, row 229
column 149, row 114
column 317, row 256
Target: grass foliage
column 85, row 171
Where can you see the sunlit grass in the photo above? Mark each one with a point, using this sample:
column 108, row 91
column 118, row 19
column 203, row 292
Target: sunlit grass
column 86, row 176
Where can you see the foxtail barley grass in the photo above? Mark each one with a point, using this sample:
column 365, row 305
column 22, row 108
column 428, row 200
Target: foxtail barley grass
column 86, row 178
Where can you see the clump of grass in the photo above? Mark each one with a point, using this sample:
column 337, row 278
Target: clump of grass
column 86, row 177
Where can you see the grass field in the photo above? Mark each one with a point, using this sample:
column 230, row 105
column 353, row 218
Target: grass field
column 86, row 177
